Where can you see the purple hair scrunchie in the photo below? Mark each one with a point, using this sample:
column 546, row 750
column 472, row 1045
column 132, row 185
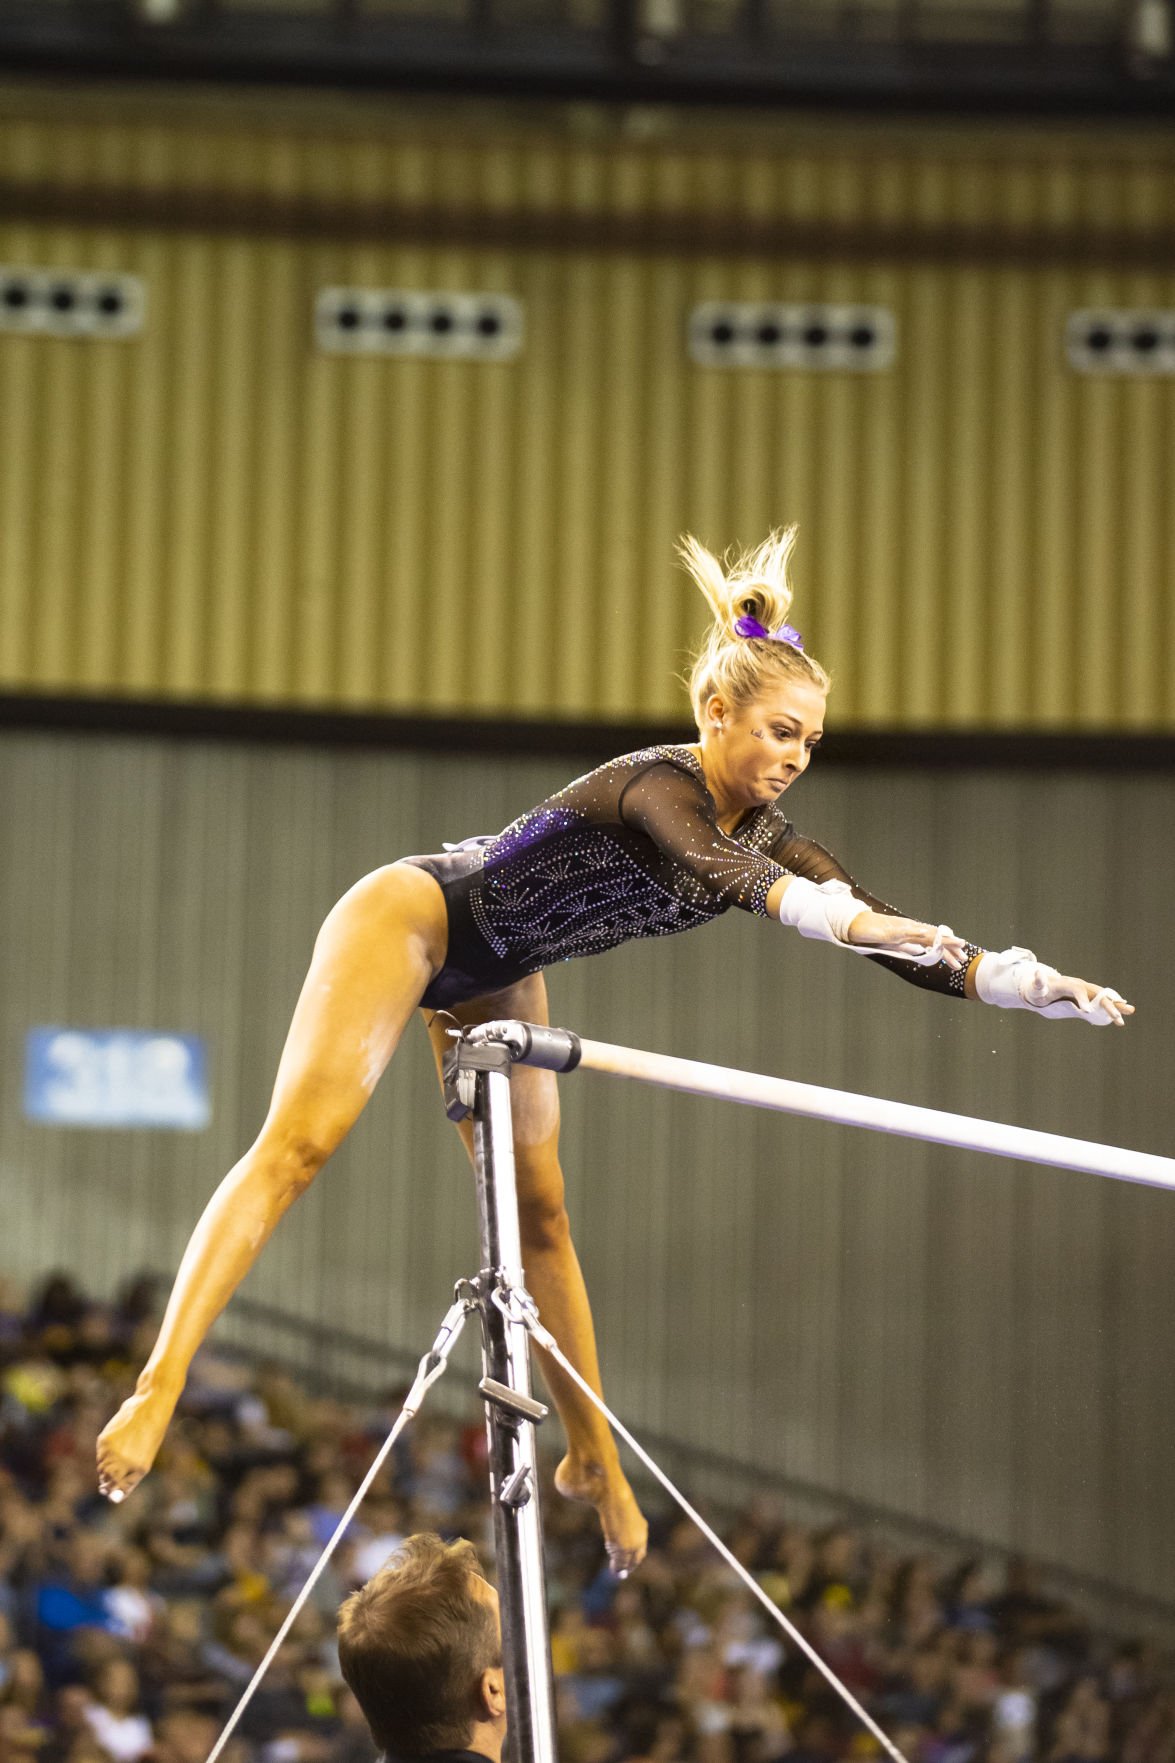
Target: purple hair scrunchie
column 746, row 626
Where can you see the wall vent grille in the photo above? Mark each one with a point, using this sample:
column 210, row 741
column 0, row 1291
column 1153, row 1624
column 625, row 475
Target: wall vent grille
column 1139, row 341
column 389, row 321
column 70, row 302
column 837, row 338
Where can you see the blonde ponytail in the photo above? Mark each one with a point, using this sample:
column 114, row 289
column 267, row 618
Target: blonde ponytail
column 754, row 585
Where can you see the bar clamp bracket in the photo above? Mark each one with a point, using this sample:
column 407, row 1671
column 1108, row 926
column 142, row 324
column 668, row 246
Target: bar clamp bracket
column 498, row 1046
column 460, row 1065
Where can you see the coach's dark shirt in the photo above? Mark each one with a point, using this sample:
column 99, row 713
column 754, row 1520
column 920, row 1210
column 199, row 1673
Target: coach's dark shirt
column 441, row 1757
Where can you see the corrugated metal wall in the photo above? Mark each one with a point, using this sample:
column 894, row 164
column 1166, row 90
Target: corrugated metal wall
column 982, row 1344
column 218, row 510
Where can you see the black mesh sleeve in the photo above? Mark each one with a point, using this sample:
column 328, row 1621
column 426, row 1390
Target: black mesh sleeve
column 805, row 857
column 675, row 810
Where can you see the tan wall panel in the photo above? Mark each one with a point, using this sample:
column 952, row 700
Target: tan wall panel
column 216, row 509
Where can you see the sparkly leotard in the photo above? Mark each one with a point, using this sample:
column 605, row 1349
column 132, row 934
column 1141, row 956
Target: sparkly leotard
column 632, row 849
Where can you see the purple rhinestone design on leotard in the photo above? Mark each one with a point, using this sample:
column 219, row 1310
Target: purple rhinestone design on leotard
column 575, row 876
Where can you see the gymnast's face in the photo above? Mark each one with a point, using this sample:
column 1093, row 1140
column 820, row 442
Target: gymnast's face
column 753, row 753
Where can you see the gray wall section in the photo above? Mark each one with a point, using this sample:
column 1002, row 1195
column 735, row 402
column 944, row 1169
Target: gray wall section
column 985, row 1345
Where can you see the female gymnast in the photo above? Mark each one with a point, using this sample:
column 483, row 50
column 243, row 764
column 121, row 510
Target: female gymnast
column 647, row 845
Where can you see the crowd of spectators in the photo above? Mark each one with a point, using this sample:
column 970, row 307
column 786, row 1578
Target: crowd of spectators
column 127, row 1632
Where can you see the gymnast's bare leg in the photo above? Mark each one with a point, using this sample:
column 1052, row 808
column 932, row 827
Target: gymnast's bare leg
column 373, row 959
column 591, row 1470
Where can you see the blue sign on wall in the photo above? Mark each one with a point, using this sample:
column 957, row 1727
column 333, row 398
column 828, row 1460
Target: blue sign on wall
column 115, row 1077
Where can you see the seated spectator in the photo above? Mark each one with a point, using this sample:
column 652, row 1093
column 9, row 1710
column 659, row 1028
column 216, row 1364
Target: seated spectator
column 1082, row 1731
column 1027, row 1614
column 188, row 1737
column 138, row 1301
column 818, row 1741
column 175, row 1669
column 758, row 1726
column 699, row 1695
column 59, row 1303
column 976, row 1676
column 333, row 1496
column 25, row 1725
column 70, row 1598
column 921, row 1688
column 966, row 1597
column 836, row 1568
column 123, row 1733
column 439, row 1477
column 12, row 1317
column 132, row 1605
column 1015, row 1708
column 22, row 1683
column 86, row 1749
column 383, row 1533
column 597, row 1685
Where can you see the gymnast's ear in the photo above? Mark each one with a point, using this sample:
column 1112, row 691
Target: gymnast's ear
column 715, row 711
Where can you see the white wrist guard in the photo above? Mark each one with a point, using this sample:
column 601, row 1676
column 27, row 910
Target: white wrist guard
column 998, row 977
column 823, row 910
column 1008, row 977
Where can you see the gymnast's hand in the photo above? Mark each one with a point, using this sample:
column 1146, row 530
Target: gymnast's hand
column 1099, row 1005
column 908, row 938
column 1015, row 980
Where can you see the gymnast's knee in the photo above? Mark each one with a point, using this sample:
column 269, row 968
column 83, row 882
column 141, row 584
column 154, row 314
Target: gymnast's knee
column 542, row 1214
column 291, row 1160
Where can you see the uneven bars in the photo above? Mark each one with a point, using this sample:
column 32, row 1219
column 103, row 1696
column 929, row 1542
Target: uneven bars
column 558, row 1049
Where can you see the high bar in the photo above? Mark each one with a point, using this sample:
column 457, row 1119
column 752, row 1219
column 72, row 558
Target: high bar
column 559, row 1049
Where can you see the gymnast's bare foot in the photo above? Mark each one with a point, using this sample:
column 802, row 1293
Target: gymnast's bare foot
column 128, row 1445
column 626, row 1534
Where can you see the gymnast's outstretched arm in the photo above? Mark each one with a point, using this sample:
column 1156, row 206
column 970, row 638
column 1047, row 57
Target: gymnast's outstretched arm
column 982, row 975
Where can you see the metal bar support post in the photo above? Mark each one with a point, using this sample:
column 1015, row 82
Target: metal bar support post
column 477, row 1081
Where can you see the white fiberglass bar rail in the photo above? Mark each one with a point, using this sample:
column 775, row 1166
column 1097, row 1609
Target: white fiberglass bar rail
column 534, row 1045
column 904, row 1118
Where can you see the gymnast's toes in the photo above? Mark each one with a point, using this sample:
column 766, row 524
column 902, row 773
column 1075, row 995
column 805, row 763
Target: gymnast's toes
column 128, row 1444
column 622, row 1562
column 626, row 1536
column 116, row 1476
